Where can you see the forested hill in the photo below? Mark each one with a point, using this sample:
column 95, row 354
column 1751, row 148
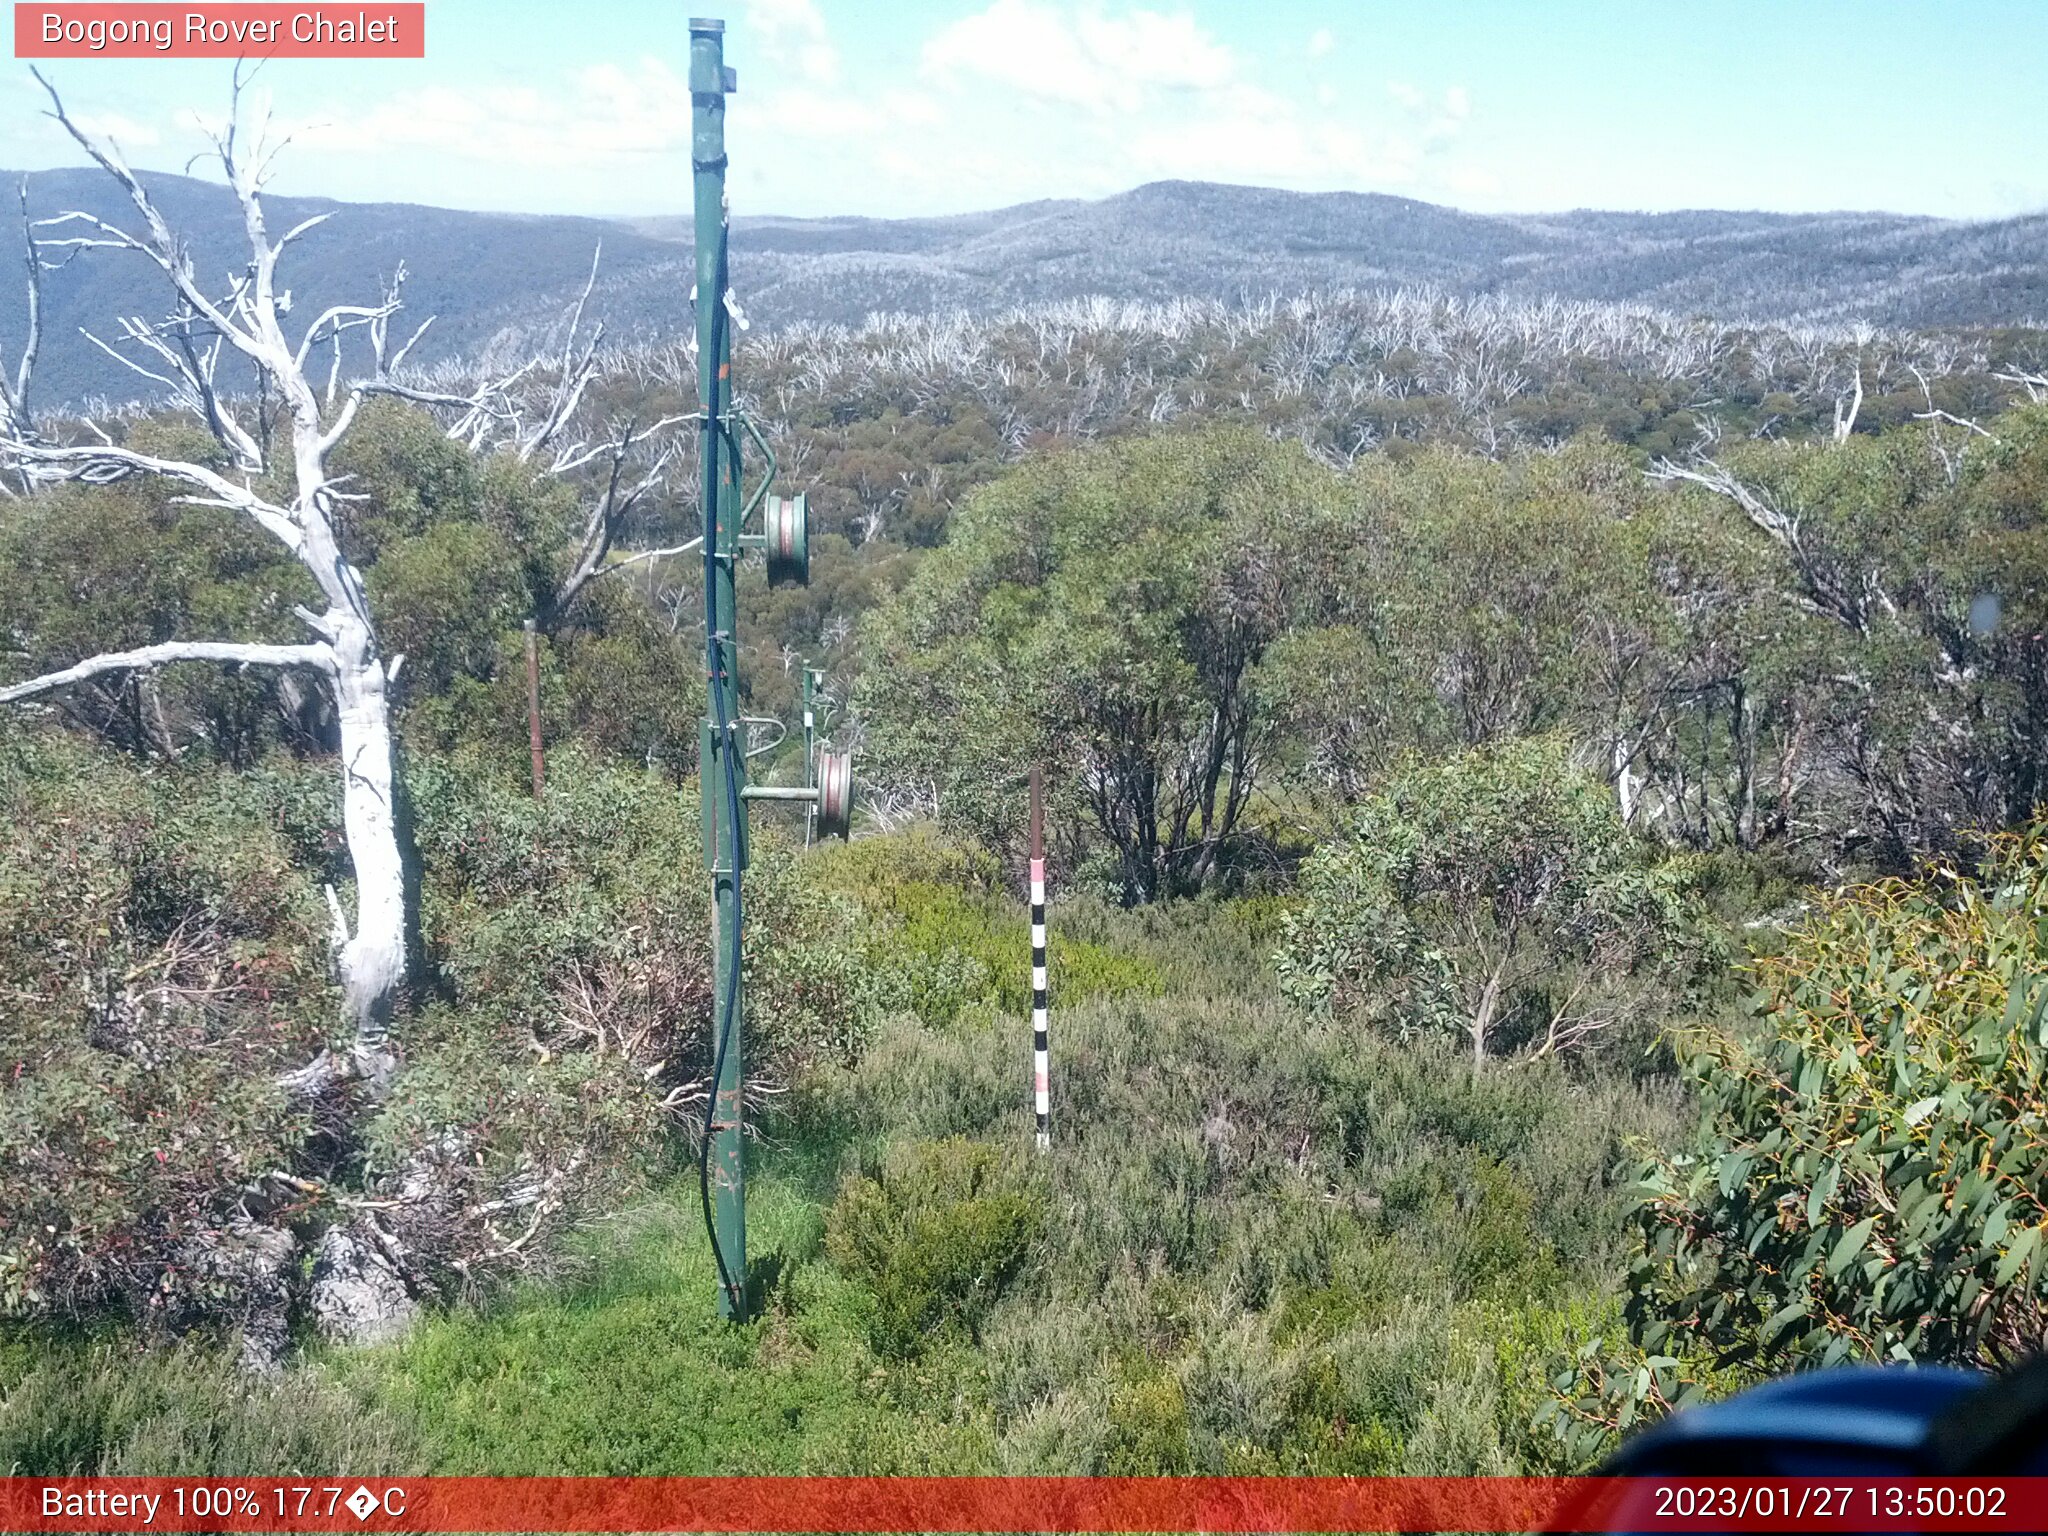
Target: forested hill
column 489, row 276
column 482, row 276
column 1198, row 239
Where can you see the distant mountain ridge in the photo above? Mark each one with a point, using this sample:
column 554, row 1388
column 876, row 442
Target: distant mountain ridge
column 482, row 276
column 507, row 277
column 1203, row 239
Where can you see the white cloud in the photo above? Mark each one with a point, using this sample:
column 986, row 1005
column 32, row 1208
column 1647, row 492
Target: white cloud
column 1253, row 135
column 801, row 114
column 1107, row 63
column 1320, row 42
column 605, row 113
column 126, row 132
column 1142, row 93
column 1155, row 49
column 792, row 35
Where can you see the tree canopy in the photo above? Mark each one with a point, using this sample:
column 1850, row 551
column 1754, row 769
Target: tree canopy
column 1111, row 605
column 1497, row 896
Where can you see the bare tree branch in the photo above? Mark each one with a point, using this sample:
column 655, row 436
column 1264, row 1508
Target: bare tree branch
column 1756, row 506
column 639, row 557
column 149, row 657
column 609, row 510
column 103, row 463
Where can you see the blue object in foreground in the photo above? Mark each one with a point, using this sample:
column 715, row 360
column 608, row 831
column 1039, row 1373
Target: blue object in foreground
column 1867, row 1421
column 1876, row 1422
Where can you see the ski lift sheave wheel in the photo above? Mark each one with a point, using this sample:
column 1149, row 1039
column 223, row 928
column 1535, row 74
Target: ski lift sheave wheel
column 786, row 535
column 835, row 794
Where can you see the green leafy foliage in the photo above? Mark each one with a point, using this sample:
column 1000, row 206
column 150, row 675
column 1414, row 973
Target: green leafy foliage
column 625, row 1368
column 937, row 1233
column 940, row 936
column 1865, row 1181
column 1921, row 562
column 160, row 964
column 1494, row 895
column 81, row 1407
column 1280, row 1245
column 1110, row 604
column 1870, row 1187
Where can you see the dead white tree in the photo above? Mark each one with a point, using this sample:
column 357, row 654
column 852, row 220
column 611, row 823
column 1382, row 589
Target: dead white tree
column 1849, row 406
column 14, row 397
column 184, row 353
column 532, row 416
column 1950, row 458
column 620, row 490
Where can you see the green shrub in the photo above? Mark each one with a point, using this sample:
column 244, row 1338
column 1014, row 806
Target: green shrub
column 1148, row 1430
column 1495, row 896
column 571, row 947
column 955, row 950
column 1325, row 1434
column 937, row 1234
column 623, row 1367
column 164, row 959
column 872, row 868
column 162, row 953
column 630, row 688
column 1865, row 1182
column 943, row 931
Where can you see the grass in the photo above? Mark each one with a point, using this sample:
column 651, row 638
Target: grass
column 1269, row 1245
column 101, row 1404
column 632, row 1372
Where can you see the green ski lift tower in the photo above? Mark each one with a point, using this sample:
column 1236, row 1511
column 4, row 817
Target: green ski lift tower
column 784, row 538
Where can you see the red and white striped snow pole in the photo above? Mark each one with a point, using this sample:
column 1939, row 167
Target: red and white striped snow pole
column 1041, row 1066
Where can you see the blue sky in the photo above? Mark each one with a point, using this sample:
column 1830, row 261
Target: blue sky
column 894, row 107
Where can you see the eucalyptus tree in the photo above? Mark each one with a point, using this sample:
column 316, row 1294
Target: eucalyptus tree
column 1105, row 610
column 1467, row 601
column 1495, row 895
column 1914, row 565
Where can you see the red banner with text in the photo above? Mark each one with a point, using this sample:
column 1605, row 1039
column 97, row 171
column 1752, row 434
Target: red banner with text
column 1017, row 1504
column 232, row 31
